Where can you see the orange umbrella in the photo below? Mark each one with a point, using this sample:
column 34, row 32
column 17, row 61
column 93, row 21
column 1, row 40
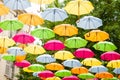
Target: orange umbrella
column 79, row 70
column 3, row 10
column 20, row 58
column 119, row 77
column 2, row 50
column 104, row 75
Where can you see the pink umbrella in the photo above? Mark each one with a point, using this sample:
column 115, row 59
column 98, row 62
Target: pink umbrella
column 54, row 45
column 1, row 30
column 70, row 78
column 46, row 74
column 22, row 64
column 108, row 56
column 23, row 38
column 83, row 53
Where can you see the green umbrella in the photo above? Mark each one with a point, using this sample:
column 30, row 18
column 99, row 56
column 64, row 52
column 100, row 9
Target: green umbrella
column 36, row 67
column 105, row 46
column 43, row 33
column 8, row 57
column 75, row 42
column 114, row 78
column 86, row 76
column 63, row 73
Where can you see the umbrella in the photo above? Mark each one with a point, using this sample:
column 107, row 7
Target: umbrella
column 79, row 7
column 23, row 38
column 54, row 14
column 70, row 78
column 23, row 63
column 97, row 69
column 89, row 22
column 27, row 70
column 75, row 42
column 63, row 73
column 53, row 78
column 54, row 45
column 65, row 30
column 119, row 77
column 20, row 58
column 114, row 64
column 114, row 78
column 8, row 57
column 91, row 62
column 45, row 58
column 46, row 74
column 42, row 1
column 3, row 10
column 83, row 53
column 111, row 55
column 54, row 66
column 43, row 33
column 86, row 76
column 3, row 50
column 1, row 30
column 104, row 75
column 34, row 49
column 116, row 70
column 105, row 46
column 96, row 35
column 79, row 70
column 17, row 4
column 63, row 55
column 72, row 63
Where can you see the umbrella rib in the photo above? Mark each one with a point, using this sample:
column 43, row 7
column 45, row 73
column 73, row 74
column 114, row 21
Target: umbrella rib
column 21, row 4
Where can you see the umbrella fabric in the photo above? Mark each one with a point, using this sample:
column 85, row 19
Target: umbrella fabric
column 119, row 77
column 34, row 49
column 63, row 73
column 86, row 76
column 83, row 53
column 53, row 78
column 27, row 70
column 72, row 63
column 96, row 35
column 54, row 14
column 75, row 42
column 3, row 50
column 46, row 74
column 114, row 64
column 54, row 45
column 89, row 22
column 42, row 1
column 97, row 69
column 3, row 10
column 8, row 57
column 43, row 33
column 63, row 55
column 91, row 62
column 70, row 78
column 79, row 7
column 20, row 58
column 17, row 4
column 105, row 46
column 65, row 30
column 1, row 30
column 45, row 58
column 23, row 63
column 79, row 70
column 116, row 70
column 111, row 55
column 23, row 38
column 30, row 19
column 54, row 66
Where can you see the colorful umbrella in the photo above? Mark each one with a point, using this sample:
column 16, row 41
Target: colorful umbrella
column 54, row 14
column 65, row 30
column 96, row 35
column 114, row 64
column 53, row 78
column 79, row 70
column 63, row 55
column 3, row 50
column 42, row 1
column 86, row 76
column 45, row 58
column 108, row 56
column 83, row 53
column 89, row 22
column 20, row 58
column 105, row 46
column 72, row 63
column 70, row 78
column 27, row 70
column 75, row 42
column 46, row 74
column 3, row 10
column 63, row 73
column 54, row 45
column 116, row 70
column 23, row 63
column 8, row 57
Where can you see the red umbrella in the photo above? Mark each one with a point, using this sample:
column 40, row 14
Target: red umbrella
column 83, row 53
column 108, row 56
column 71, row 78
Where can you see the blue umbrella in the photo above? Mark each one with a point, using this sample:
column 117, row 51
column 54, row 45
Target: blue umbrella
column 54, row 14
column 97, row 69
column 116, row 70
column 45, row 58
column 17, row 4
column 72, row 63
column 89, row 22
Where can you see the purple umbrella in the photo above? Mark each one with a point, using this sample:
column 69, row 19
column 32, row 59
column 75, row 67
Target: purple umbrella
column 71, row 78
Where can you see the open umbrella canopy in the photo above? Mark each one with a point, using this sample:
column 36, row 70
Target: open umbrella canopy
column 3, row 10
column 79, row 70
column 23, row 64
column 46, row 74
column 89, row 22
column 3, row 50
column 114, row 64
column 25, row 69
column 54, row 14
column 42, row 1
column 79, row 7
column 116, row 70
column 8, row 57
column 65, row 30
column 53, row 78
column 105, row 46
column 63, row 73
column 75, row 42
column 86, row 76
column 96, row 35
column 70, row 78
column 20, row 58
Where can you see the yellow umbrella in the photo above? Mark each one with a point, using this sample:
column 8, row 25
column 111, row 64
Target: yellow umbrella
column 27, row 70
column 3, row 10
column 3, row 50
column 35, row 49
column 96, row 35
column 42, row 1
column 53, row 78
column 114, row 64
column 79, row 7
column 91, row 62
column 63, row 55
column 65, row 30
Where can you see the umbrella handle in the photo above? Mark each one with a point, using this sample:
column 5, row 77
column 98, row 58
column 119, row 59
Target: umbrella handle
column 88, row 34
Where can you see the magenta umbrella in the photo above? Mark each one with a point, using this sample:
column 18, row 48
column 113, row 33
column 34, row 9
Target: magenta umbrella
column 71, row 78
column 46, row 74
column 83, row 53
column 23, row 64
column 54, row 45
column 111, row 55
column 23, row 38
column 1, row 30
